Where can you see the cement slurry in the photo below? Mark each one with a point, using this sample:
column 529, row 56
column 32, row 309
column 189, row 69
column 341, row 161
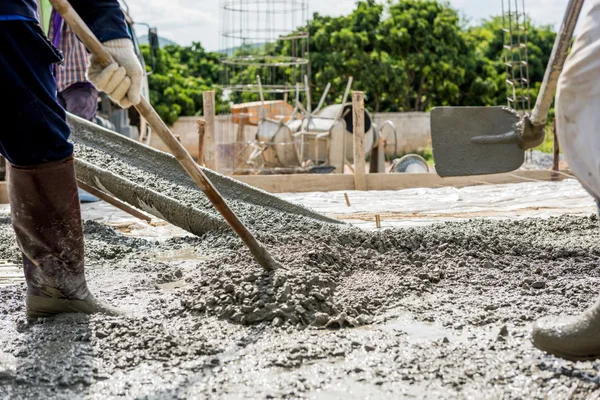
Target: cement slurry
column 437, row 312
column 155, row 182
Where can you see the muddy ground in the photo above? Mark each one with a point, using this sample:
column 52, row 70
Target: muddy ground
column 437, row 312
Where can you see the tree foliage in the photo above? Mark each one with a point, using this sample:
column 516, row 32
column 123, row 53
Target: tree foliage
column 180, row 76
column 406, row 55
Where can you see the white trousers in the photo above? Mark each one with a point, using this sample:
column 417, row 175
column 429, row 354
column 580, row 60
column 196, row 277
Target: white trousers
column 578, row 104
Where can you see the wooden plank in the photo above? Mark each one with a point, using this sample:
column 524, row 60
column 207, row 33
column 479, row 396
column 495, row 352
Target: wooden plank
column 358, row 133
column 299, row 182
column 337, row 182
column 210, row 160
column 115, row 202
column 432, row 180
column 3, row 192
column 201, row 130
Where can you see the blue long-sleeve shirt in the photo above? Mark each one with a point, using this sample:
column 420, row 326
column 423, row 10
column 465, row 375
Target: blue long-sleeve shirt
column 104, row 17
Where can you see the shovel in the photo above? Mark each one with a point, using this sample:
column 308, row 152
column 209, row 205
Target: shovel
column 181, row 154
column 489, row 140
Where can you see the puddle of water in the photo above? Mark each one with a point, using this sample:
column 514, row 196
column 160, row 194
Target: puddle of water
column 183, row 258
column 10, row 274
column 172, row 285
column 351, row 389
column 418, row 331
column 185, row 254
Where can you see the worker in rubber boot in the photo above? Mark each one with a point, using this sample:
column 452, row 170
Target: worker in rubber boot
column 34, row 140
column 578, row 126
column 75, row 93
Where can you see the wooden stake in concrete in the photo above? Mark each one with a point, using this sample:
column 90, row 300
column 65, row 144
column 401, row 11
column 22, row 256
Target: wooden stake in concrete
column 201, row 126
column 114, row 201
column 209, row 130
column 358, row 127
column 347, row 199
column 239, row 145
column 184, row 158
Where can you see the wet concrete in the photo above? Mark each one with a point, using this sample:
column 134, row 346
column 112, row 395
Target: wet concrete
column 155, row 182
column 437, row 312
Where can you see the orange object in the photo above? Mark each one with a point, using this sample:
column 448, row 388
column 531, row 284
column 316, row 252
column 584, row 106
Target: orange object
column 249, row 113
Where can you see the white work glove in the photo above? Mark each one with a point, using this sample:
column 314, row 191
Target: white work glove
column 121, row 80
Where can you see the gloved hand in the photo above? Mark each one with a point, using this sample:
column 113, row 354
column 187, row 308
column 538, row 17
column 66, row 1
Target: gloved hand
column 121, row 80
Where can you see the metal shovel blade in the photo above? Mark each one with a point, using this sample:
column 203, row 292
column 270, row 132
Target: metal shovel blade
column 475, row 140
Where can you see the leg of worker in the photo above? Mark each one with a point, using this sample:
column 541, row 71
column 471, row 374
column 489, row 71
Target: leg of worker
column 42, row 186
column 578, row 125
column 81, row 99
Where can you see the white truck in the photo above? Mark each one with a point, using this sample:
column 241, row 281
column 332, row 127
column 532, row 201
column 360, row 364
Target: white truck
column 113, row 117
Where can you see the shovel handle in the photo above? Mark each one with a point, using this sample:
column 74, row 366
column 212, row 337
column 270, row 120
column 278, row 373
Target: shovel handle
column 181, row 154
column 87, row 37
column 555, row 63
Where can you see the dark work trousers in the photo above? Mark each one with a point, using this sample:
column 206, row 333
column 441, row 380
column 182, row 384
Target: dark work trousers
column 34, row 130
column 80, row 99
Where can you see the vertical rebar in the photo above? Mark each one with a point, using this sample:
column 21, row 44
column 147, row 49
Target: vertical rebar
column 516, row 57
column 526, row 55
column 254, row 32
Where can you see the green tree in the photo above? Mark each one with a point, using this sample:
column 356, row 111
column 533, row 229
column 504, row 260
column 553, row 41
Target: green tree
column 181, row 75
column 487, row 85
column 406, row 55
column 426, row 39
column 346, row 46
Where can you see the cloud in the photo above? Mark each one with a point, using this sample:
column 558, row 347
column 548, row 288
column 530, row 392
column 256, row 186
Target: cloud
column 541, row 12
column 182, row 21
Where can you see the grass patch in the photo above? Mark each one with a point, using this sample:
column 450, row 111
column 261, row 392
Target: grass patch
column 548, row 145
column 425, row 152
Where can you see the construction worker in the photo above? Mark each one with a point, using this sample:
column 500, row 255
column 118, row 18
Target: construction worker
column 578, row 127
column 41, row 178
column 75, row 93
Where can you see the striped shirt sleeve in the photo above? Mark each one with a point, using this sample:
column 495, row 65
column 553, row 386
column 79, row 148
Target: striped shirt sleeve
column 74, row 66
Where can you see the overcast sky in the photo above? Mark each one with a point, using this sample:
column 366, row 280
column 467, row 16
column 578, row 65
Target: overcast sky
column 184, row 21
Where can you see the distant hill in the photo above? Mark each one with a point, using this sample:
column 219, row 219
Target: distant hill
column 162, row 42
column 230, row 51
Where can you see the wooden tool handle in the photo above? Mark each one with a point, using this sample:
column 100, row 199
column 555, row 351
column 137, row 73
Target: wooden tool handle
column 83, row 32
column 560, row 50
column 114, row 201
column 64, row 8
column 91, row 42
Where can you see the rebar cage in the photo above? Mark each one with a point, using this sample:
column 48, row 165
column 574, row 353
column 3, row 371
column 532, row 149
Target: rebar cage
column 265, row 61
column 264, row 38
column 516, row 61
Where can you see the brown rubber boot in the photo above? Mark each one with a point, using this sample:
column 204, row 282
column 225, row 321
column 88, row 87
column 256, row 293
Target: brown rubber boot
column 47, row 221
column 572, row 338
